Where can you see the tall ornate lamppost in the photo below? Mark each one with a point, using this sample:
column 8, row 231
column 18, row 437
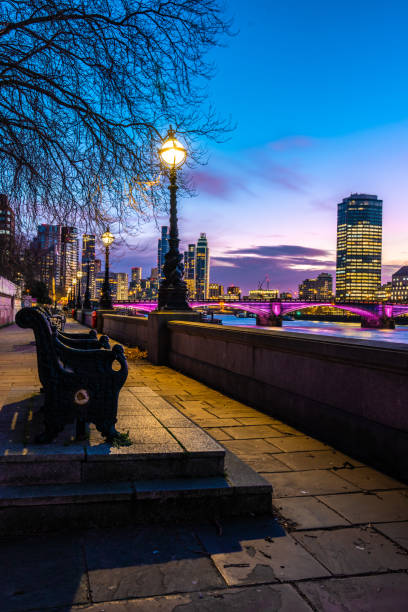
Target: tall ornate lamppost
column 78, row 304
column 87, row 297
column 106, row 299
column 173, row 290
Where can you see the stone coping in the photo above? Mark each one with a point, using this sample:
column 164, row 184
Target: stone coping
column 383, row 355
column 135, row 320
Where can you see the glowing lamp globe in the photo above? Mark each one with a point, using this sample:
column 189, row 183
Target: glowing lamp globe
column 74, row 281
column 79, row 274
column 107, row 238
column 172, row 153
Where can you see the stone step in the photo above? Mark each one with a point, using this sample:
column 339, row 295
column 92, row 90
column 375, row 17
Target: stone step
column 48, row 507
column 164, row 444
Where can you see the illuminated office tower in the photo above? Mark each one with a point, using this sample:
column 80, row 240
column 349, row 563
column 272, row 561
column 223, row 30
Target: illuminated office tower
column 122, row 286
column 359, row 242
column 215, row 291
column 202, row 268
column 69, row 255
column 162, row 249
column 88, row 257
column 399, row 286
column 319, row 288
column 190, row 270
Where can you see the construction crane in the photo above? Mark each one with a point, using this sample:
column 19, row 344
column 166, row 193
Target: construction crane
column 260, row 283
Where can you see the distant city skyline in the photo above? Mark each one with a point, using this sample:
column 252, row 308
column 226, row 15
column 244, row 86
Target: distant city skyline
column 324, row 115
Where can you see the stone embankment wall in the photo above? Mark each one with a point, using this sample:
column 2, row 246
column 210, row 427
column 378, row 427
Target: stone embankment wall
column 349, row 393
column 132, row 331
column 7, row 301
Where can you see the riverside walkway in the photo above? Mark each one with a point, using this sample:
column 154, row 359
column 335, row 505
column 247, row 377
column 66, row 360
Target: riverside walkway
column 338, row 538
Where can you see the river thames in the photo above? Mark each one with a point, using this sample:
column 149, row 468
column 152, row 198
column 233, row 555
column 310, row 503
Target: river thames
column 325, row 328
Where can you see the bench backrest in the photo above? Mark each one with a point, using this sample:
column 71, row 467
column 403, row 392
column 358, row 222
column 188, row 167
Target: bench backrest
column 47, row 359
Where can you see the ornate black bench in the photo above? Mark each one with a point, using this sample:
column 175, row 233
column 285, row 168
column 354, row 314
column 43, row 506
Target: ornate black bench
column 55, row 316
column 79, row 385
column 88, row 340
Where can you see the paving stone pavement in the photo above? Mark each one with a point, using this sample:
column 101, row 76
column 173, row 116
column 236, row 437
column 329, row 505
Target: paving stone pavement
column 338, row 539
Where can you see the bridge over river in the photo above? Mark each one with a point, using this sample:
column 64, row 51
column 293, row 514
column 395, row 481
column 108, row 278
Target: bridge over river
column 271, row 312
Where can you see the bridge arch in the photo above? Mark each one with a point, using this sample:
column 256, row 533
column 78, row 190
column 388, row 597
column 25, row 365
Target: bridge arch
column 271, row 313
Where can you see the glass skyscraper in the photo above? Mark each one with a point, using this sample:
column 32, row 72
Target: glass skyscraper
column 202, row 268
column 162, row 249
column 49, row 241
column 190, row 270
column 69, row 259
column 88, row 257
column 359, row 243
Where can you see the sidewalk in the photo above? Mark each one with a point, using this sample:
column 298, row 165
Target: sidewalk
column 339, row 540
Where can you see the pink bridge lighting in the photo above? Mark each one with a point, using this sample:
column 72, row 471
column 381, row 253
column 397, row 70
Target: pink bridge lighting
column 369, row 311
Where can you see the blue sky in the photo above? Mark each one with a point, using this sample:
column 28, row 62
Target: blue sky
column 319, row 95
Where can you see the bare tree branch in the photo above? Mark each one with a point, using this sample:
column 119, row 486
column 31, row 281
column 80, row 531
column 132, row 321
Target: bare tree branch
column 87, row 89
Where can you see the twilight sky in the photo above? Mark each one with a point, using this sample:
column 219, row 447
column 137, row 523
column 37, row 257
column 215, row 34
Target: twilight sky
column 318, row 91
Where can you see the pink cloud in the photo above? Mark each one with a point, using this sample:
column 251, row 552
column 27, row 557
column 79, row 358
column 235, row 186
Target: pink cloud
column 291, row 142
column 277, row 174
column 212, row 184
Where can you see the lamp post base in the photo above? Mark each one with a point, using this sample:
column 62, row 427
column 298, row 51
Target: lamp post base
column 105, row 304
column 158, row 336
column 173, row 298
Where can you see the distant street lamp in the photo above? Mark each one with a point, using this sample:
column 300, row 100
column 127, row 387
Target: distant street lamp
column 78, row 300
column 173, row 290
column 74, row 282
column 87, row 297
column 106, row 299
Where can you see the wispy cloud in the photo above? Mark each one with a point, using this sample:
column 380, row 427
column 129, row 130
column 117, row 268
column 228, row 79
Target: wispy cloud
column 285, row 265
column 280, row 250
column 218, row 185
column 282, row 176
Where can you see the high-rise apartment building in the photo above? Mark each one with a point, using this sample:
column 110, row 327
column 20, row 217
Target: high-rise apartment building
column 88, row 259
column 6, row 233
column 359, row 243
column 48, row 240
column 162, row 249
column 202, row 268
column 134, row 285
column 136, row 275
column 190, row 270
column 320, row 288
column 69, row 255
column 122, row 286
